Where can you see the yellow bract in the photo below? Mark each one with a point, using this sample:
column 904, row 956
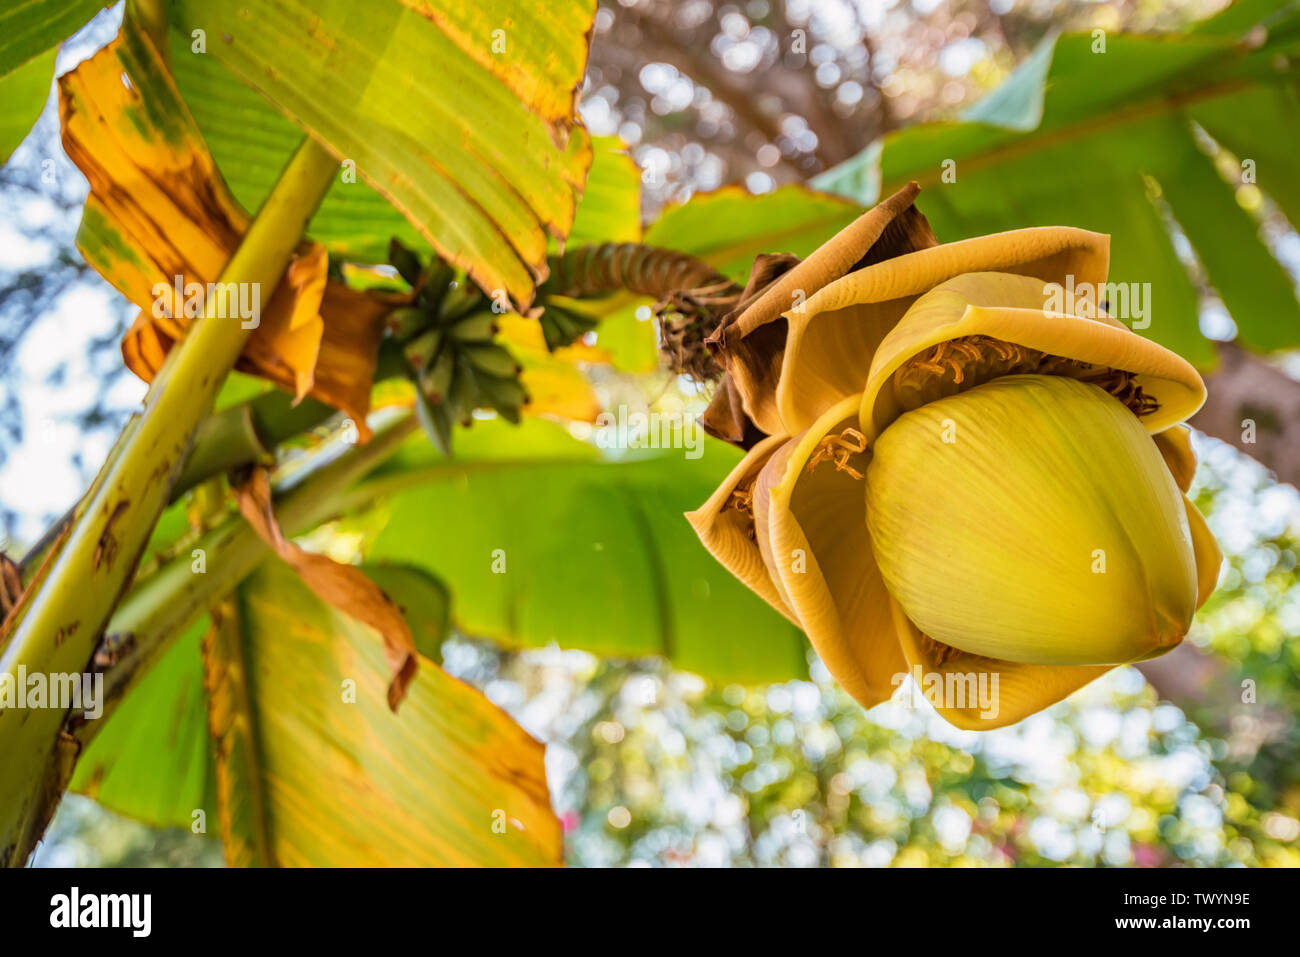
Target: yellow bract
column 959, row 483
column 1011, row 308
column 839, row 333
column 725, row 523
column 1032, row 519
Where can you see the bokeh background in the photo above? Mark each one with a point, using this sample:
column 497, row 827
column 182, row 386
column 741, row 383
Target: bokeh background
column 1192, row 761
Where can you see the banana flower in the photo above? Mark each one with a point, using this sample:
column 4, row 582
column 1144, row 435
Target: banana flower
column 952, row 471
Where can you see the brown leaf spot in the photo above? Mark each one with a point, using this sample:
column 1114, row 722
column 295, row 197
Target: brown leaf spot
column 106, row 547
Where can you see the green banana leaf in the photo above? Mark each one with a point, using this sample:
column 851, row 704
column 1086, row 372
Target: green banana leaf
column 729, row 227
column 610, row 208
column 542, row 540
column 1111, row 133
column 31, row 27
column 30, row 34
column 23, row 93
column 463, row 124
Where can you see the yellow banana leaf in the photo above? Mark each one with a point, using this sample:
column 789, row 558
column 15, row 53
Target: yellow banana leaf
column 462, row 115
column 336, row 779
column 275, row 721
column 159, row 224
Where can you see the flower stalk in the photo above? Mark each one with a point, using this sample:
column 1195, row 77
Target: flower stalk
column 691, row 297
column 588, row 271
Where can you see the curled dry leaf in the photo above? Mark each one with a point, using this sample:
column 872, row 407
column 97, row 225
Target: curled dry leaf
column 160, row 218
column 344, row 586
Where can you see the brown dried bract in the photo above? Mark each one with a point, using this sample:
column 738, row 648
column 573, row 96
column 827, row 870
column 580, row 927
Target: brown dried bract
column 750, row 341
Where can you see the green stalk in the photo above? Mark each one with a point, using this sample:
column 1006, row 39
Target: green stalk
column 251, row 430
column 58, row 630
column 161, row 608
column 245, row 433
column 238, row 435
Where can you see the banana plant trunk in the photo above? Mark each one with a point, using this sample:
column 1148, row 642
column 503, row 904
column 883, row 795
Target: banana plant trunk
column 59, row 624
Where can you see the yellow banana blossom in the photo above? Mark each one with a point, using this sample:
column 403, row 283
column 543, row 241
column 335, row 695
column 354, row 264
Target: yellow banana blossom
column 947, row 478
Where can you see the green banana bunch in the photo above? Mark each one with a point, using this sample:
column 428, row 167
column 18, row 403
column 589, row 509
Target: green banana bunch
column 447, row 336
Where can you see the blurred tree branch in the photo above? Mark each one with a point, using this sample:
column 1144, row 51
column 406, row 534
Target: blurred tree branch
column 665, row 45
column 1247, row 389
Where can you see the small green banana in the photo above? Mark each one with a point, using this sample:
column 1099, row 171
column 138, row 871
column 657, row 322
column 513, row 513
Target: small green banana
column 492, row 358
column 407, row 322
column 476, row 327
column 422, row 350
column 435, row 380
column 507, row 396
column 436, row 423
column 462, row 397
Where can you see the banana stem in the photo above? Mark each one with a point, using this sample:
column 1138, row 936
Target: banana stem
column 237, row 435
column 57, row 629
column 161, row 607
column 245, row 433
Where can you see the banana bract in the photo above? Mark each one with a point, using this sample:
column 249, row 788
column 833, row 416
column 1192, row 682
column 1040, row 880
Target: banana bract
column 948, row 480
column 1032, row 519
